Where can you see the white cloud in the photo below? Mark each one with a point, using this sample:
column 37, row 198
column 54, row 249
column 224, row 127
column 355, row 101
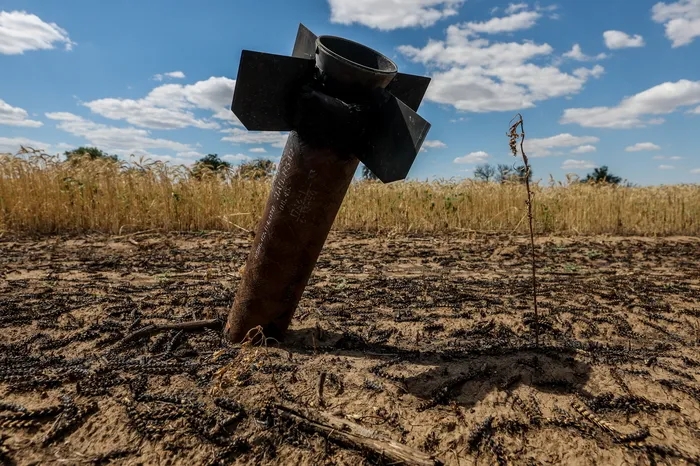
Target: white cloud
column 664, row 157
column 258, row 150
column 432, row 144
column 476, row 75
column 236, row 158
column 572, row 164
column 695, row 171
column 15, row 116
column 640, row 146
column 658, row 100
column 479, row 52
column 120, row 141
column 171, row 74
column 171, row 106
column 620, row 40
column 681, row 20
column 666, row 167
column 63, row 146
column 551, row 11
column 583, row 149
column 386, row 16
column 473, row 157
column 515, row 21
column 501, row 88
column 242, row 136
column 542, row 147
column 12, row 145
column 137, row 155
column 577, row 54
column 585, row 73
column 515, row 7
column 141, row 113
column 21, row 32
column 190, row 154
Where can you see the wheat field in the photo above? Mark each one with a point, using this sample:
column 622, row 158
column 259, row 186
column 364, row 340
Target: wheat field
column 40, row 194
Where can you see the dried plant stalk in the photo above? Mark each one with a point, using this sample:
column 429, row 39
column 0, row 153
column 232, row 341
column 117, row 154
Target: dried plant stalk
column 513, row 139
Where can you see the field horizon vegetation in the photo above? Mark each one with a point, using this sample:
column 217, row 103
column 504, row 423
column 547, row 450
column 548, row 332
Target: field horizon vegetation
column 89, row 191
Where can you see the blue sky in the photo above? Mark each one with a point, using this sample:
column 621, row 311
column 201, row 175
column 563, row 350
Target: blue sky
column 613, row 82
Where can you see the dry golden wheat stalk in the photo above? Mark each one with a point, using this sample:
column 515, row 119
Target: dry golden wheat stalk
column 39, row 194
column 513, row 137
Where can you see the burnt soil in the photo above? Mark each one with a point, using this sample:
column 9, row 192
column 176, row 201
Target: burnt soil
column 427, row 341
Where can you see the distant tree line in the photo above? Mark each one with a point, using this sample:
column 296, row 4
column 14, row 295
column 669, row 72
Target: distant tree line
column 90, row 153
column 602, row 175
column 209, row 165
column 367, row 174
column 213, row 165
column 502, row 173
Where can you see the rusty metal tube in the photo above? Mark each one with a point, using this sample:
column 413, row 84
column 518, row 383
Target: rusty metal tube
column 307, row 192
column 333, row 96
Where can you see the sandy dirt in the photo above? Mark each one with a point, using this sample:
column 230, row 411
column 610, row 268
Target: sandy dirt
column 425, row 341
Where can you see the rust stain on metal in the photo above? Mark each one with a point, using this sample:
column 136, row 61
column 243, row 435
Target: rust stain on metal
column 305, row 198
column 342, row 103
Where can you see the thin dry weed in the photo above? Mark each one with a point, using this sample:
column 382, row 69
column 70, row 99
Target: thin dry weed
column 513, row 138
column 237, row 370
column 252, row 350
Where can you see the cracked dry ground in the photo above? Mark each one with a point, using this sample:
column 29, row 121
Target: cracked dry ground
column 427, row 341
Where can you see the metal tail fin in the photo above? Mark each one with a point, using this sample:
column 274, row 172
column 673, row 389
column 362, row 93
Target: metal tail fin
column 264, row 85
column 396, row 141
column 409, row 89
column 305, row 44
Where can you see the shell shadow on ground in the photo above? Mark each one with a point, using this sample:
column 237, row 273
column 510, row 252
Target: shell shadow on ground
column 464, row 375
